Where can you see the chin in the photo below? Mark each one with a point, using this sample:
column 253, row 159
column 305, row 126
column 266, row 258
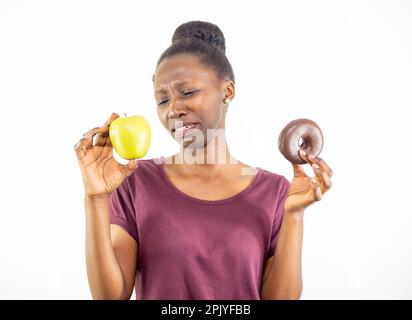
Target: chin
column 192, row 145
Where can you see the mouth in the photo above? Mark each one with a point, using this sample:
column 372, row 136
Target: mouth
column 185, row 130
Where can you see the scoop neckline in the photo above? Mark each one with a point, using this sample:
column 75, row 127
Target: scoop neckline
column 204, row 201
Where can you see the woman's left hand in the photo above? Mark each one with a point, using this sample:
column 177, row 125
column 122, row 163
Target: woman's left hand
column 305, row 190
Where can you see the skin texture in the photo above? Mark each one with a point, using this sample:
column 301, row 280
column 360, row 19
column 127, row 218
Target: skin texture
column 111, row 253
column 220, row 179
column 282, row 274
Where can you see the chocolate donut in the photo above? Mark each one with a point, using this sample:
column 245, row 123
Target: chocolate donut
column 299, row 134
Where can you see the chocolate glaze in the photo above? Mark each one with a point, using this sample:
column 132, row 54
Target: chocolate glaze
column 311, row 140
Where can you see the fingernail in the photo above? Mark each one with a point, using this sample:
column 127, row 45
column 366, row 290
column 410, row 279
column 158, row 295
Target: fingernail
column 311, row 157
column 303, row 152
column 314, row 165
column 314, row 179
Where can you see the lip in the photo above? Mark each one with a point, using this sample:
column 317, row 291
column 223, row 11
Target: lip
column 180, row 124
column 186, row 132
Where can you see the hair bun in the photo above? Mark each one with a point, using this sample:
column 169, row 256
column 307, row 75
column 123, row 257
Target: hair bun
column 202, row 30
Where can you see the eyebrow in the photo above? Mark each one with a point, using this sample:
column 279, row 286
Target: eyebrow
column 176, row 84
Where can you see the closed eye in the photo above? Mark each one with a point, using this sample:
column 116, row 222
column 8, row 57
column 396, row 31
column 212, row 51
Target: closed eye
column 189, row 93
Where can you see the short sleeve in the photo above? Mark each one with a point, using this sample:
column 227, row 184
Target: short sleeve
column 282, row 194
column 122, row 210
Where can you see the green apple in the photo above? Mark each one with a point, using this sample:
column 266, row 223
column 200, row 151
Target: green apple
column 130, row 136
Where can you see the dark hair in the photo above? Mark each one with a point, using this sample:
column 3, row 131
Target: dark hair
column 204, row 40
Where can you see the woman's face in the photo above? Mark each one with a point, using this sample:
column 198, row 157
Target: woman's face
column 187, row 92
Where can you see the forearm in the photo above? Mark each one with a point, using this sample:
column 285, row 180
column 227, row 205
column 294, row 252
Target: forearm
column 284, row 278
column 103, row 270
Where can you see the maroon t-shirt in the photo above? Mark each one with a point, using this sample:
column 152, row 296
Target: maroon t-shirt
column 191, row 248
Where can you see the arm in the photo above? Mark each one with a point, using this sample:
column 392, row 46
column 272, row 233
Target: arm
column 282, row 276
column 111, row 253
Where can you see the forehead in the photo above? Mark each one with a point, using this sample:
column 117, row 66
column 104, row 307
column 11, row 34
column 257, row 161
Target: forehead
column 180, row 70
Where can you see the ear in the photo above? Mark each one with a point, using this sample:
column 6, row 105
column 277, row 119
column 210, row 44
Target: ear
column 228, row 90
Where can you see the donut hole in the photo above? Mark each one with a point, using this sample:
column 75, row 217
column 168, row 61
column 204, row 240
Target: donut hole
column 305, row 143
column 301, row 142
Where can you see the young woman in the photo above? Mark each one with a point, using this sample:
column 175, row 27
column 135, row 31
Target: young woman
column 198, row 224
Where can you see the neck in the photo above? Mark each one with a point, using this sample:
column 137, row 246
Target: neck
column 207, row 162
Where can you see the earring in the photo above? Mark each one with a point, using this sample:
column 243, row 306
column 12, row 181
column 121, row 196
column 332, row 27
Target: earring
column 227, row 100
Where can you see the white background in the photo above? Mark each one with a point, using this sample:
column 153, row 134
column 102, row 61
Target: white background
column 66, row 65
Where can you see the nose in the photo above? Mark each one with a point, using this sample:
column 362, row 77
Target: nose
column 177, row 108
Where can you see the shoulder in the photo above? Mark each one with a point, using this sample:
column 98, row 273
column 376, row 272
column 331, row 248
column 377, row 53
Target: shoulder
column 276, row 182
column 274, row 177
column 148, row 164
column 144, row 173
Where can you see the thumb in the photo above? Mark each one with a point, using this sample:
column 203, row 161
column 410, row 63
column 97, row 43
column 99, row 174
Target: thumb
column 298, row 170
column 131, row 166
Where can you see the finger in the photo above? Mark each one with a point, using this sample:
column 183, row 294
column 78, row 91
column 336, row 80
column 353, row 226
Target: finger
column 323, row 177
column 86, row 133
column 102, row 139
column 298, row 170
column 319, row 161
column 316, row 188
column 327, row 180
column 131, row 166
column 112, row 117
column 318, row 193
column 82, row 145
column 94, row 131
column 304, row 156
column 78, row 144
column 86, row 142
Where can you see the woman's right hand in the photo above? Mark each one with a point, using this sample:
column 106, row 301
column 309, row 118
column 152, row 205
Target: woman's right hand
column 101, row 173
